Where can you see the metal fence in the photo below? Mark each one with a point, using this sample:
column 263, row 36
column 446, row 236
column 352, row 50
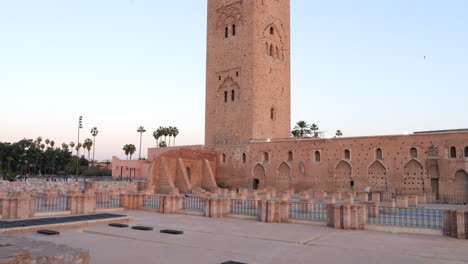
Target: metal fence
column 194, row 204
column 51, row 204
column 408, row 217
column 436, row 198
column 244, row 207
column 308, row 211
column 107, row 201
column 151, row 201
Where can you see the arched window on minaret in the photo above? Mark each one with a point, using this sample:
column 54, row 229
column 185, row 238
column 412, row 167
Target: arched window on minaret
column 272, row 113
column 226, row 32
column 225, row 96
column 233, row 30
column 233, row 95
column 272, row 30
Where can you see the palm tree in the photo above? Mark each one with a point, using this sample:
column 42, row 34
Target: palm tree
column 314, row 128
column 47, row 141
column 126, row 149
column 162, row 144
column 175, row 133
column 302, row 128
column 42, row 146
column 140, row 130
column 165, row 132
column 156, row 136
column 295, row 133
column 170, row 132
column 72, row 145
column 38, row 141
column 131, row 150
column 94, row 133
column 88, row 143
column 52, row 144
column 65, row 146
column 339, row 133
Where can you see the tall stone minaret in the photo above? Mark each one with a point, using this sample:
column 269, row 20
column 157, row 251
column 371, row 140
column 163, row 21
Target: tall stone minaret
column 248, row 79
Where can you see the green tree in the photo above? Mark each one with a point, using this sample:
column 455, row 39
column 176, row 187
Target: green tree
column 175, row 133
column 339, row 133
column 47, row 141
column 156, row 137
column 131, row 150
column 140, row 130
column 170, row 131
column 126, row 149
column 88, row 143
column 302, row 129
column 165, row 132
column 94, row 133
column 314, row 129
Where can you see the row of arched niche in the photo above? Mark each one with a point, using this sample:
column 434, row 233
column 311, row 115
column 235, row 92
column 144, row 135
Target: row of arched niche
column 413, row 177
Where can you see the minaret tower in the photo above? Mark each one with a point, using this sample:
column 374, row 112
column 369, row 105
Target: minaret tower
column 248, row 78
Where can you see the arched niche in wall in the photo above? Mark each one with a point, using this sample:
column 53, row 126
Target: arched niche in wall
column 343, row 176
column 413, row 182
column 284, row 177
column 377, row 177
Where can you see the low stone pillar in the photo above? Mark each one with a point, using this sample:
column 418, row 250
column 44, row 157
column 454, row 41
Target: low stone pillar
column 337, row 216
column 330, row 215
column 320, row 195
column 241, row 196
column 422, row 199
column 447, row 223
column 388, row 206
column 304, row 196
column 372, row 208
column 363, row 197
column 90, row 187
column 262, row 211
column 412, row 200
column 266, row 196
column 339, row 196
column 285, row 197
column 462, row 218
column 402, row 201
column 362, row 216
column 331, row 199
column 89, row 203
column 375, row 197
column 346, row 216
column 272, row 192
column 74, row 202
column 348, row 199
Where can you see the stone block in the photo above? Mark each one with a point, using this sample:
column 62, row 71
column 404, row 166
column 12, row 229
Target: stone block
column 402, row 201
column 412, row 200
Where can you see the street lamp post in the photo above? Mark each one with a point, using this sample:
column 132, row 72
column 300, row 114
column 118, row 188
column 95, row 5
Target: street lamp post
column 80, row 126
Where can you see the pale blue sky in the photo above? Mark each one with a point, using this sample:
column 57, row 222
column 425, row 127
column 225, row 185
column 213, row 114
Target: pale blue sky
column 356, row 65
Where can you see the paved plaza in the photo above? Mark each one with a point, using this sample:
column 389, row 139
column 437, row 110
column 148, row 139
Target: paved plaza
column 215, row 241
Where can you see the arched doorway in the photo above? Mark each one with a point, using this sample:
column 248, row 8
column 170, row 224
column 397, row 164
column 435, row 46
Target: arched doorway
column 377, row 177
column 413, row 178
column 343, row 176
column 259, row 175
column 461, row 184
column 284, row 177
